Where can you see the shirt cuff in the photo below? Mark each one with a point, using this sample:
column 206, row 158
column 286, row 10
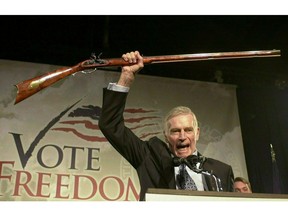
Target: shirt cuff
column 119, row 88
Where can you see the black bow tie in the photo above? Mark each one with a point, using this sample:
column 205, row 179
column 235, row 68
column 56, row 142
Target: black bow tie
column 191, row 161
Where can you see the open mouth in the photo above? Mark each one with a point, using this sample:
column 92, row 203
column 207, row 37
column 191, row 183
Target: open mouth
column 181, row 146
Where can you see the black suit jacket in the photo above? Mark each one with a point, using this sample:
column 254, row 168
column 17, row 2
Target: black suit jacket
column 151, row 159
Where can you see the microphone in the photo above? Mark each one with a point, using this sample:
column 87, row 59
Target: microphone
column 213, row 182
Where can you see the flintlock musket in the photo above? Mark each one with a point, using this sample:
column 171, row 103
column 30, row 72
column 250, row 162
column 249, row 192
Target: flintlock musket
column 29, row 87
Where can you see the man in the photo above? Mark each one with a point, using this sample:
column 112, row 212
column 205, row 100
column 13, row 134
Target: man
column 242, row 185
column 159, row 164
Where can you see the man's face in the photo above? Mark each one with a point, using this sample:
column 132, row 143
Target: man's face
column 181, row 135
column 241, row 187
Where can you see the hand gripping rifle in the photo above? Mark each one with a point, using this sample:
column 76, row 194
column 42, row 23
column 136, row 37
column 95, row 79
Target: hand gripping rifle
column 29, row 87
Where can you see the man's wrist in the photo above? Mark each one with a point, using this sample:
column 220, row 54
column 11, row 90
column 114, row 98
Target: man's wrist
column 119, row 88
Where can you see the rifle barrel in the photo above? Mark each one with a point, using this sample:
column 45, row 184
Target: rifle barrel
column 213, row 56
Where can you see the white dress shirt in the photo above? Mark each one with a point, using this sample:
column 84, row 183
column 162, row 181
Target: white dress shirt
column 197, row 177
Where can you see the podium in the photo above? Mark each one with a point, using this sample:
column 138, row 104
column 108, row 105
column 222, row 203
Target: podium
column 186, row 195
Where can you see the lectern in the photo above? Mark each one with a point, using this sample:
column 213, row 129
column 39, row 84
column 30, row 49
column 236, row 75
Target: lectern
column 185, row 195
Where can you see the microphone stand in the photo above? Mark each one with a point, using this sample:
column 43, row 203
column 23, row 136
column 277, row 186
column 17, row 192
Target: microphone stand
column 192, row 161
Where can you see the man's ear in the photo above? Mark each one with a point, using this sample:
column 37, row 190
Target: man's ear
column 197, row 135
column 166, row 140
column 165, row 136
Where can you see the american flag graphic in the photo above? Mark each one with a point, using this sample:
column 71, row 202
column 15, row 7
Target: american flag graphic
column 84, row 123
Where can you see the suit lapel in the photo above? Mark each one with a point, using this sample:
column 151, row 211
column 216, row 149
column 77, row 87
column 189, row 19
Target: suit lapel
column 168, row 171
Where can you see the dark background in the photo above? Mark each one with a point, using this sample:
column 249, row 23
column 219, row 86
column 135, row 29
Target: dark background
column 262, row 82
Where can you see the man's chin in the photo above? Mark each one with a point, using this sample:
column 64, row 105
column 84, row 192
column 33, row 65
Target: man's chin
column 183, row 154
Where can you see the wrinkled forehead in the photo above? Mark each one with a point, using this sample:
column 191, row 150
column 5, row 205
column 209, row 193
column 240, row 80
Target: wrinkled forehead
column 182, row 121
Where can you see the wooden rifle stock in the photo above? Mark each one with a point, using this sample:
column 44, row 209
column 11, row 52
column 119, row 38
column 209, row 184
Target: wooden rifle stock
column 29, row 87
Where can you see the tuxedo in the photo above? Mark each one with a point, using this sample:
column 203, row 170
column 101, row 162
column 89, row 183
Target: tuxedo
column 152, row 159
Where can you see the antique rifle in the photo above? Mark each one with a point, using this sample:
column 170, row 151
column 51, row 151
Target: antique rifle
column 29, row 87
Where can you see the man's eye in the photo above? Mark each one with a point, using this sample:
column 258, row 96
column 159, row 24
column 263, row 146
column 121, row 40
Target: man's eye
column 174, row 131
column 189, row 130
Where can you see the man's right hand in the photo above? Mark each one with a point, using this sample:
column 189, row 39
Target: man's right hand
column 128, row 72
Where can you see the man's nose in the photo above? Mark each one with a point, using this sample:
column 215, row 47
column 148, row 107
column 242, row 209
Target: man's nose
column 182, row 135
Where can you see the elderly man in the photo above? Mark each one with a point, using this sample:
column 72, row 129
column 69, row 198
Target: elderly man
column 174, row 163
